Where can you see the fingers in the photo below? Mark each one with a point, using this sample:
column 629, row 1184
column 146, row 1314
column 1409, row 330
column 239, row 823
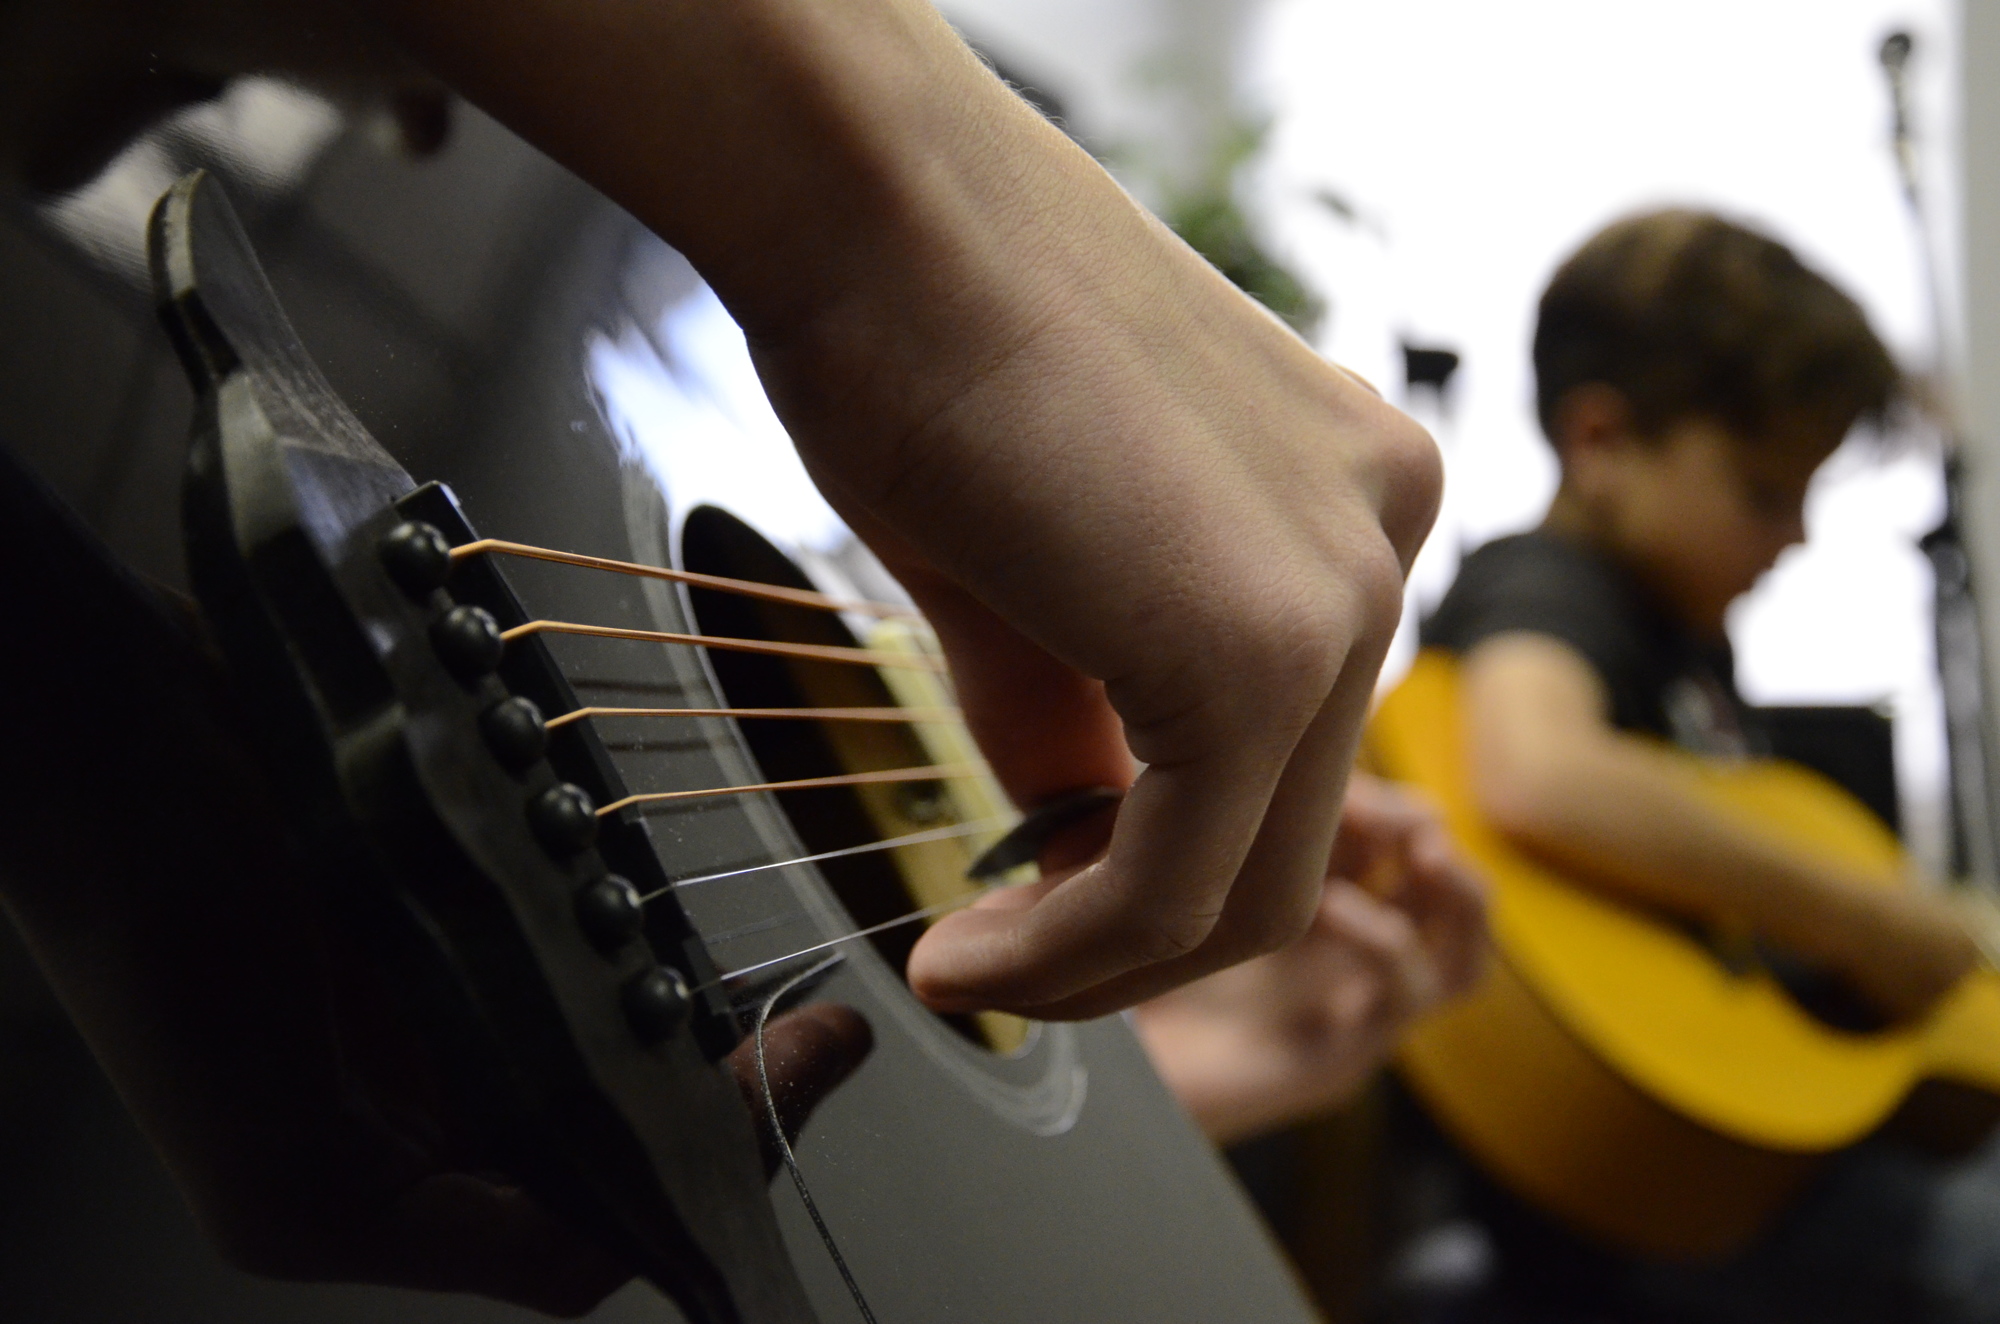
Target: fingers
column 808, row 1053
column 1219, row 849
column 1448, row 901
column 1043, row 726
column 1228, row 563
column 1171, row 901
column 1395, row 846
column 1391, row 978
column 1379, row 822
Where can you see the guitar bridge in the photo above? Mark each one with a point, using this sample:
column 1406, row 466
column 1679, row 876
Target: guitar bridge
column 579, row 1028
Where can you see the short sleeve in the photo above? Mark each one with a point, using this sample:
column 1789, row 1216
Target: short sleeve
column 1542, row 585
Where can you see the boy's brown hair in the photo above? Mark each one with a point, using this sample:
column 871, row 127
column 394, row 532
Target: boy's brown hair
column 1687, row 315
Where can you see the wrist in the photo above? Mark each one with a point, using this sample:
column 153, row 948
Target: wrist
column 972, row 235
column 891, row 159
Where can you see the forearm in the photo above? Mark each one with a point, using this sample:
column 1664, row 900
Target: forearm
column 1549, row 770
column 1631, row 818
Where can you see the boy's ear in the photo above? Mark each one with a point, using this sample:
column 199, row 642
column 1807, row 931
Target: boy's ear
column 1591, row 419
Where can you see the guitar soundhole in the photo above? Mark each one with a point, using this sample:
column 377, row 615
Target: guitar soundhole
column 875, row 886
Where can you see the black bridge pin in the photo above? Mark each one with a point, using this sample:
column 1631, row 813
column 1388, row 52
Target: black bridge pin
column 610, row 912
column 417, row 557
column 515, row 732
column 468, row 640
column 564, row 820
column 656, row 1003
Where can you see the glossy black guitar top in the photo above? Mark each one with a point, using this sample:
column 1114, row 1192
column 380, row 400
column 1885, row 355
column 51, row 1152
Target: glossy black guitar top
column 578, row 1027
column 494, row 325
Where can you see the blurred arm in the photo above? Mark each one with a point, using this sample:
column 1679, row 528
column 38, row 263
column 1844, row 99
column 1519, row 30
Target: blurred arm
column 1549, row 770
column 1401, row 928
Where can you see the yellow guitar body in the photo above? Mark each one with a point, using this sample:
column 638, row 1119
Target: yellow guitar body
column 1610, row 1068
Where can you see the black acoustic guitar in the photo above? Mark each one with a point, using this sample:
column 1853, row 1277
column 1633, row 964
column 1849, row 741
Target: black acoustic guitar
column 468, row 316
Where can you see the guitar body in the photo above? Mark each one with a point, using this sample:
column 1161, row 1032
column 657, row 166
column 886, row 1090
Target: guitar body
column 1612, row 1069
column 475, row 310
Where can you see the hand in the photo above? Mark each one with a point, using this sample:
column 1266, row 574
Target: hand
column 1908, row 947
column 1147, row 520
column 1401, row 927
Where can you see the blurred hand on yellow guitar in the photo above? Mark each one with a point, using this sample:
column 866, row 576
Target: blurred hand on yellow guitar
column 1401, row 927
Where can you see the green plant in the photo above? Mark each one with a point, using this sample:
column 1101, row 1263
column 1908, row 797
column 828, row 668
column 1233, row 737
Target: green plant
column 1213, row 223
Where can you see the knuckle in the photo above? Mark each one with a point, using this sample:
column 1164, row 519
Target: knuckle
column 1270, row 926
column 1299, row 638
column 1411, row 472
column 1378, row 575
column 1169, row 937
column 1311, row 627
column 1280, row 654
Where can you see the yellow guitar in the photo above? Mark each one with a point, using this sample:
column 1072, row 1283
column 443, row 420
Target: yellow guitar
column 1611, row 1069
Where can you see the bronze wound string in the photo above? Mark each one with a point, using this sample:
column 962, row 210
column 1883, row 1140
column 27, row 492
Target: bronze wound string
column 813, row 652
column 748, row 588
column 810, row 652
column 887, row 843
column 929, row 772
column 808, row 714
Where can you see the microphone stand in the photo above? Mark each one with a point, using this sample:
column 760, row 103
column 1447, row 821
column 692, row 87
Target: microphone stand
column 1975, row 848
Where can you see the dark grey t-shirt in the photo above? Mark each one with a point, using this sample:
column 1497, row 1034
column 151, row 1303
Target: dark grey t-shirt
column 1662, row 679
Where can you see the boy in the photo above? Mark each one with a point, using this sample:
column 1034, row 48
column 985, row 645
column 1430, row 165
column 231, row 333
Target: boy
column 1691, row 375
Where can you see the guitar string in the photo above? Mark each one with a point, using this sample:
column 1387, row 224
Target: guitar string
column 741, row 587
column 929, row 772
column 785, row 1145
column 887, row 843
column 748, row 588
column 812, row 714
column 926, row 912
column 814, row 652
